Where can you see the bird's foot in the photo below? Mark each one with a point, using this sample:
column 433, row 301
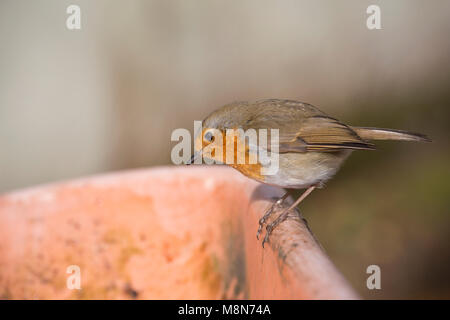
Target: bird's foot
column 271, row 226
column 284, row 214
column 276, row 205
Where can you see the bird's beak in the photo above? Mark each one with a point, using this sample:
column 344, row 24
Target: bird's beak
column 194, row 157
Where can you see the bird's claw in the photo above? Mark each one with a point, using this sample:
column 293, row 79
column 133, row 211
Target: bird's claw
column 269, row 229
column 261, row 223
column 263, row 219
column 259, row 231
column 266, row 239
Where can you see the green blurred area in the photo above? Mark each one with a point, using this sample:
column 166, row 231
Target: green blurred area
column 107, row 98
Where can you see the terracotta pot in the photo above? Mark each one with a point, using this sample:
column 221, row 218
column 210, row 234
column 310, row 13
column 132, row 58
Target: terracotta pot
column 164, row 233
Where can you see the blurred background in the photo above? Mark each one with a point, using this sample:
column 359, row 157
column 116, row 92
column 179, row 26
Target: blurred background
column 108, row 96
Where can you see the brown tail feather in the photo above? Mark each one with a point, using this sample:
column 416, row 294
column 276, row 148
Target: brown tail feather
column 389, row 134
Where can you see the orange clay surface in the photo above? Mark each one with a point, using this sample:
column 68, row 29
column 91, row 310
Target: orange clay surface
column 163, row 233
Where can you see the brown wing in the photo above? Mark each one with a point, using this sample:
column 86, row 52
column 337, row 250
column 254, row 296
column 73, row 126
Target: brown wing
column 323, row 133
column 305, row 129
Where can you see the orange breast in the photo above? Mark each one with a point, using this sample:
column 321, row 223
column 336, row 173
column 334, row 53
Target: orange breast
column 250, row 170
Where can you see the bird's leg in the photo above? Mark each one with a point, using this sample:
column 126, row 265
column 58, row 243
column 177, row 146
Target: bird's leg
column 269, row 212
column 284, row 214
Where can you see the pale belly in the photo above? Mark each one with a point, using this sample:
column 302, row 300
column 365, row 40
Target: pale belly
column 301, row 170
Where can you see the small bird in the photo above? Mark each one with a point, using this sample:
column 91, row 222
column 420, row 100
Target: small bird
column 312, row 145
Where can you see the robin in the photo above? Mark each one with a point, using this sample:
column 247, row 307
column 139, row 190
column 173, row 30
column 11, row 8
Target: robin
column 311, row 148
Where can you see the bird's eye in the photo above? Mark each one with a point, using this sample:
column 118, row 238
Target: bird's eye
column 209, row 136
